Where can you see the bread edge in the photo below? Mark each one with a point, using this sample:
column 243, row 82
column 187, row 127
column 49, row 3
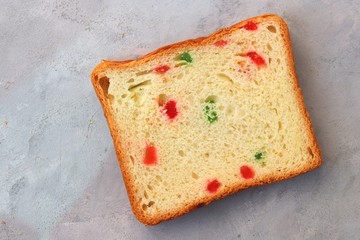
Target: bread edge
column 96, row 75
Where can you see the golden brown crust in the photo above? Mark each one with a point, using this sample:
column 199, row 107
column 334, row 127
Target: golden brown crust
column 98, row 73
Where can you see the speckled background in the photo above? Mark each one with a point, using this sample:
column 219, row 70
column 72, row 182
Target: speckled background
column 59, row 175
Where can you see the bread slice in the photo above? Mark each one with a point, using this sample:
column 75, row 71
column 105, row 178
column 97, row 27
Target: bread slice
column 198, row 120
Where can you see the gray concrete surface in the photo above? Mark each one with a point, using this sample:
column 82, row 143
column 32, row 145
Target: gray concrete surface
column 59, row 177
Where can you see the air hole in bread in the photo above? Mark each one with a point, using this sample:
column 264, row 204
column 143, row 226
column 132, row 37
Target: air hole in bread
column 139, row 85
column 151, row 203
column 275, row 110
column 111, row 98
column 233, row 127
column 130, row 80
column 180, row 76
column 104, row 83
column 310, row 152
column 162, row 99
column 224, row 77
column 181, row 153
column 279, row 126
column 146, row 195
column 269, row 47
column 142, row 73
column 229, row 111
column 159, row 178
column 270, row 59
column 132, row 159
column 240, row 55
column 150, row 187
column 207, row 155
column 271, row 28
column 138, row 98
column 179, row 195
column 194, row 175
column 180, row 64
column 211, row 98
column 124, row 96
column 144, row 207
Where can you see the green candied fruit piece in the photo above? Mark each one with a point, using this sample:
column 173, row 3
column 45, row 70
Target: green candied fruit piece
column 210, row 111
column 185, row 56
column 260, row 155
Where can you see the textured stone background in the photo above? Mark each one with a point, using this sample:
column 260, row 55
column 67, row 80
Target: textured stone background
column 59, row 176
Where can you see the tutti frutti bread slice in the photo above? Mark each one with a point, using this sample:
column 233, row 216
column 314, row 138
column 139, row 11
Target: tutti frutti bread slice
column 198, row 120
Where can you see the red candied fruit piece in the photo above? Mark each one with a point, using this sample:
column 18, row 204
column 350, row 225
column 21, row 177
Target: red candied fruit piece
column 213, row 186
column 256, row 58
column 221, row 43
column 150, row 155
column 171, row 110
column 250, row 26
column 162, row 69
column 247, row 172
